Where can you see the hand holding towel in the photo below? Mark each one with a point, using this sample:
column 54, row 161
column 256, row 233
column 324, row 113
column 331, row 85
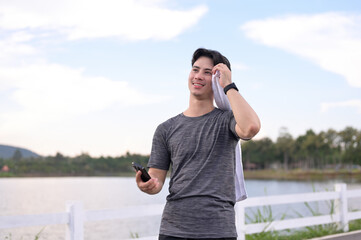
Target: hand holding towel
column 222, row 102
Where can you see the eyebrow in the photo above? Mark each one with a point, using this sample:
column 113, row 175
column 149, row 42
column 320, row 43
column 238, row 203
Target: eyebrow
column 207, row 69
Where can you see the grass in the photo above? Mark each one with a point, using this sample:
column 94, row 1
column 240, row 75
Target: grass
column 6, row 174
column 306, row 233
column 266, row 215
column 134, row 235
column 302, row 175
column 355, row 225
column 37, row 236
column 262, row 216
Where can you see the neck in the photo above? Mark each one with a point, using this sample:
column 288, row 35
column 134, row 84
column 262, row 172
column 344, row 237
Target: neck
column 198, row 107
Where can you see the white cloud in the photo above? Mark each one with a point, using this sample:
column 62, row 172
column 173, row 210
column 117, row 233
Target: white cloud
column 325, row 107
column 331, row 40
column 50, row 107
column 14, row 46
column 80, row 19
column 52, row 90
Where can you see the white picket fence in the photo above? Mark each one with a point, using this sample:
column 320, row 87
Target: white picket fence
column 75, row 216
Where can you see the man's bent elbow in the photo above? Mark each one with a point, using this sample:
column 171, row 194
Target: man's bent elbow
column 250, row 131
column 254, row 129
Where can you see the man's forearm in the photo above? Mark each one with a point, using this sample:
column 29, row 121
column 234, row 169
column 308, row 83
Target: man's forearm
column 248, row 123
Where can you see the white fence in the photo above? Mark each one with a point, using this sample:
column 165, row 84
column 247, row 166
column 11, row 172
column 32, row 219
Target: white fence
column 341, row 216
column 75, row 216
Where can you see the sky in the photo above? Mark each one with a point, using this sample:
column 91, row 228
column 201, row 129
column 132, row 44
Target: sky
column 98, row 76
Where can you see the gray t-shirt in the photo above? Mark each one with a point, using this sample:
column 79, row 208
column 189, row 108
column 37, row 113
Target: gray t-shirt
column 201, row 152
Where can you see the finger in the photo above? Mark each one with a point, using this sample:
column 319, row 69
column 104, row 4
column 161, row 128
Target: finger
column 138, row 178
column 153, row 184
column 143, row 186
column 218, row 67
column 150, row 183
column 148, row 189
column 214, row 69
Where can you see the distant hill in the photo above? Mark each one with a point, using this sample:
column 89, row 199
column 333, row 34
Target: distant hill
column 7, row 152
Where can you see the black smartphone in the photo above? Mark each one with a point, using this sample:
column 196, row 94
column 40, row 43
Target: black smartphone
column 145, row 176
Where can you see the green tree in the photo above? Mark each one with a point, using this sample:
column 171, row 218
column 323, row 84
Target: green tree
column 59, row 157
column 332, row 140
column 314, row 148
column 285, row 146
column 17, row 156
column 350, row 145
column 305, row 147
column 261, row 152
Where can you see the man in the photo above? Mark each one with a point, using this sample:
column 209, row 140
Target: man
column 200, row 144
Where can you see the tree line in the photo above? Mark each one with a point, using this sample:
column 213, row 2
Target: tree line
column 81, row 165
column 326, row 149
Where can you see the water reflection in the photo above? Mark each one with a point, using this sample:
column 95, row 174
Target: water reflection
column 21, row 196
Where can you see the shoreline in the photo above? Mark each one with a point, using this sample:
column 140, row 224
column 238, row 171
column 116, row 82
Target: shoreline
column 304, row 175
column 267, row 174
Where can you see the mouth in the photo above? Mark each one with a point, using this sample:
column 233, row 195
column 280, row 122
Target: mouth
column 198, row 85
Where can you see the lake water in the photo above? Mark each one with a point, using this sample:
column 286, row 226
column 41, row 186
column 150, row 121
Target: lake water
column 21, row 196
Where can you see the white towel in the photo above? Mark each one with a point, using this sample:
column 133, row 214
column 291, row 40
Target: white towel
column 223, row 103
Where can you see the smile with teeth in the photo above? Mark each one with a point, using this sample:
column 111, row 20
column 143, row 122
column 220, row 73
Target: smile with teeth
column 198, row 85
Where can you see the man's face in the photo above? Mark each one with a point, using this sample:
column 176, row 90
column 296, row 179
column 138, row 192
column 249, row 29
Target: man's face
column 200, row 78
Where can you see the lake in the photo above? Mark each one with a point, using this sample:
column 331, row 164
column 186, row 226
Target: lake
column 21, row 196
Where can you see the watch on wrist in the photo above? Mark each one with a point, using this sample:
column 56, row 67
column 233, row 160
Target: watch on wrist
column 230, row 86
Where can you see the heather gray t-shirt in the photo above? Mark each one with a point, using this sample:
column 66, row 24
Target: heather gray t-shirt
column 201, row 196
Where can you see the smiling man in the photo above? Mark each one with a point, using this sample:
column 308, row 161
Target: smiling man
column 199, row 144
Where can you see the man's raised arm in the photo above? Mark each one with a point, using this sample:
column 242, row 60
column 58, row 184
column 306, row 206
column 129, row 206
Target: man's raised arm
column 248, row 123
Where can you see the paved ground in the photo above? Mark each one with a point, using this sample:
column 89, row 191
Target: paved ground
column 355, row 235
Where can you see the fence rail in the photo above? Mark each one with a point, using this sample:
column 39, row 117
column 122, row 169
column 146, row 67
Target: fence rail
column 341, row 216
column 75, row 216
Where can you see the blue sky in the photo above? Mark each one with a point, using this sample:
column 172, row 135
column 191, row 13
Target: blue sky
column 99, row 76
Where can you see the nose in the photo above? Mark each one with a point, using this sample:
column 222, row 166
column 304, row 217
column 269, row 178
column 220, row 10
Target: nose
column 199, row 75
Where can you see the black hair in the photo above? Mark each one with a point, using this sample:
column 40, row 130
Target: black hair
column 216, row 56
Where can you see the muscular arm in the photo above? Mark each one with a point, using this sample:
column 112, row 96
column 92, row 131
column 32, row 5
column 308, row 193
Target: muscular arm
column 248, row 123
column 155, row 184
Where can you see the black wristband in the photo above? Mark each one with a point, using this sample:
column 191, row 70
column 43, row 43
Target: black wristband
column 230, row 86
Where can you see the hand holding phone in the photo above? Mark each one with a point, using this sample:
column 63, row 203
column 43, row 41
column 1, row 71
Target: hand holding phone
column 145, row 176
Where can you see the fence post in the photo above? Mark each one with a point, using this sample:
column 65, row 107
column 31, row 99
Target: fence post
column 342, row 206
column 240, row 221
column 75, row 228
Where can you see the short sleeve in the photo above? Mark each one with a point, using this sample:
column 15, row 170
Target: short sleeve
column 159, row 157
column 232, row 126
